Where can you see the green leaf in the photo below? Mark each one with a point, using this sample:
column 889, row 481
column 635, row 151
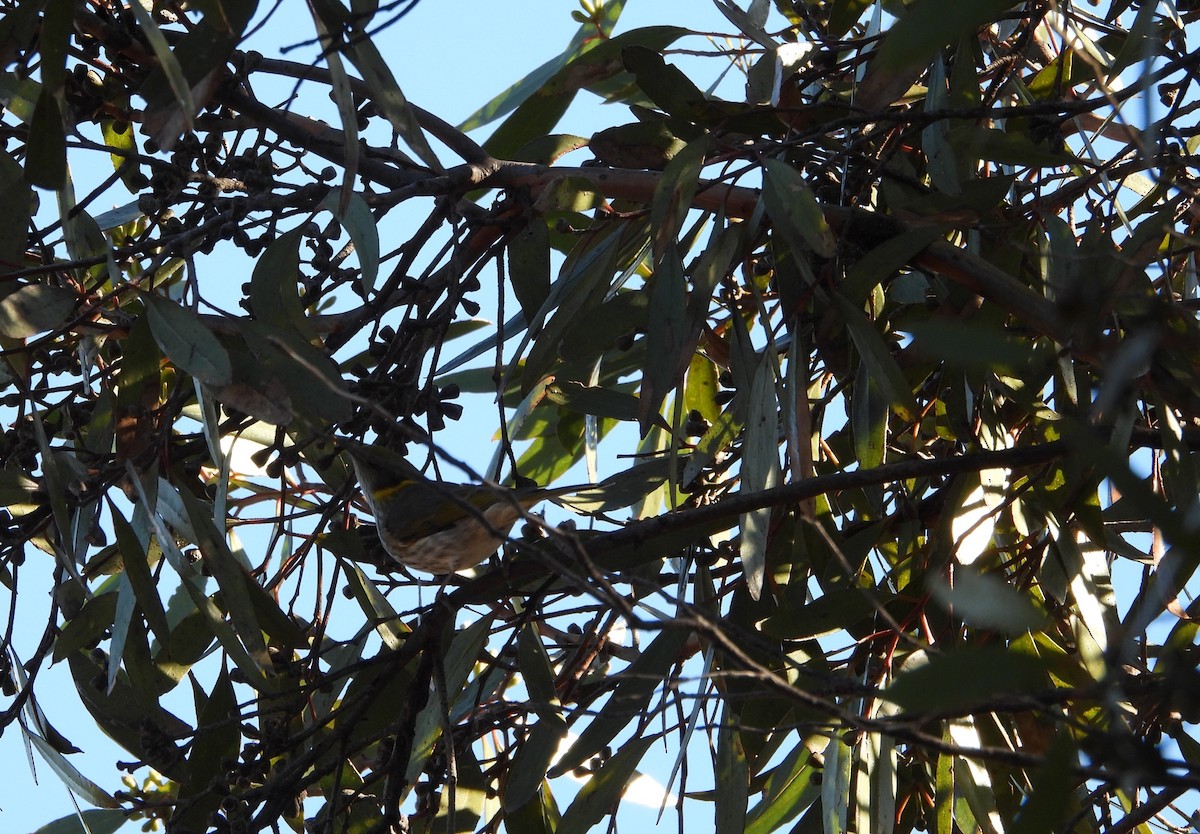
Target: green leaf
column 539, row 112
column 789, row 790
column 649, row 144
column 343, row 97
column 835, row 610
column 216, row 743
column 986, row 601
column 119, row 216
column 965, row 678
column 16, row 488
column 760, row 472
column 929, row 25
column 187, row 342
column 835, row 785
column 582, row 284
column 529, row 266
column 28, row 309
column 273, row 294
column 868, row 419
column 843, row 14
column 622, row 489
column 119, row 136
column 15, row 203
column 877, row 265
column 620, row 316
column 633, row 691
column 990, row 347
column 1051, row 788
column 46, row 150
column 92, row 821
column 585, row 39
column 601, row 793
column 546, row 150
column 375, row 606
column 795, row 210
column 874, row 351
column 231, row 577
column 668, row 341
column 386, row 93
column 673, row 194
column 666, row 85
column 168, row 63
column 533, row 759
column 732, row 776
column 539, row 815
column 700, row 388
column 314, row 387
column 470, row 797
column 19, row 95
column 994, row 145
column 600, row 402
column 87, row 627
column 456, row 667
column 360, row 224
column 137, row 569
column 128, row 717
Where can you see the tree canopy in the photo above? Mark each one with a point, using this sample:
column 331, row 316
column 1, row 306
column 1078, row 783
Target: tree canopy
column 872, row 325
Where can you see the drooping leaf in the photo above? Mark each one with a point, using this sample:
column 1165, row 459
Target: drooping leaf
column 795, row 210
column 215, row 744
column 533, row 760
column 231, row 577
column 789, row 790
column 46, row 156
column 187, row 342
column 273, row 296
column 669, row 342
column 168, row 64
column 873, row 351
column 360, row 224
column 760, row 472
column 673, row 195
column 732, row 775
column 529, row 266
column 15, row 197
column 137, row 568
column 387, row 95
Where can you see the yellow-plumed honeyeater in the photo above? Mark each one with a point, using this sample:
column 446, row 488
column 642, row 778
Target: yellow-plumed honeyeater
column 430, row 525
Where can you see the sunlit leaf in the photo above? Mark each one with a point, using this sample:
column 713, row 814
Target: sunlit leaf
column 965, row 677
column 986, row 601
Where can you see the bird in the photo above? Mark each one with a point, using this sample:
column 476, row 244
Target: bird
column 427, row 525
